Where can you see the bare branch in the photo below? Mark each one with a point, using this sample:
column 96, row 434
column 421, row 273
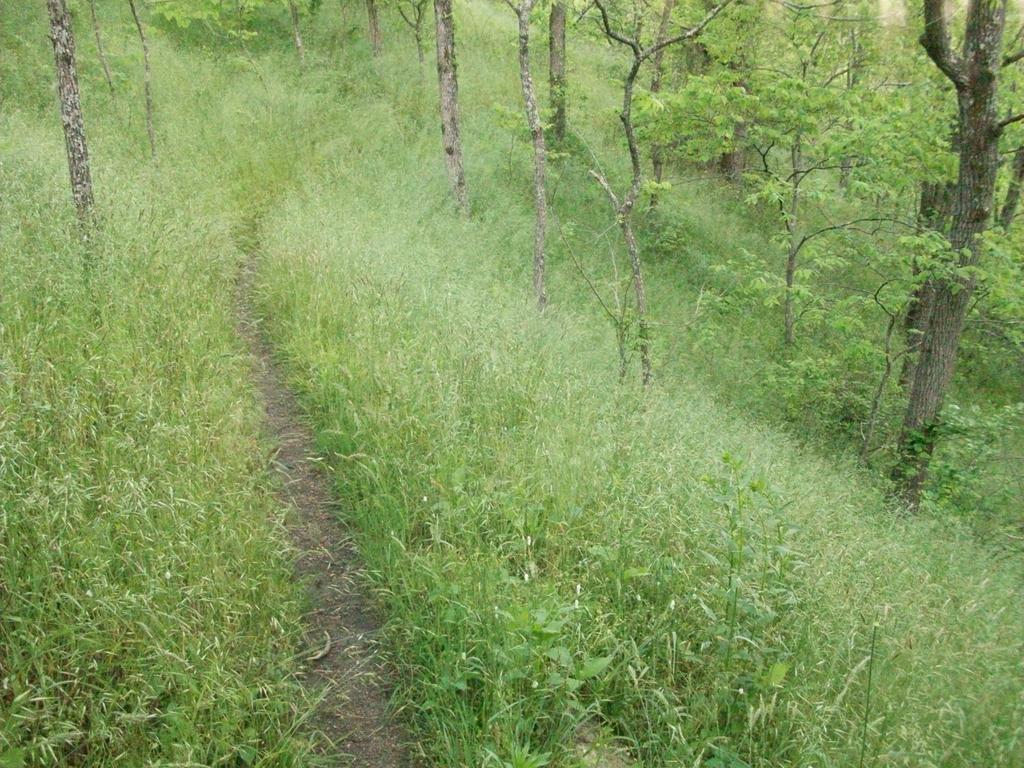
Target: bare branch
column 690, row 33
column 1013, row 58
column 1002, row 124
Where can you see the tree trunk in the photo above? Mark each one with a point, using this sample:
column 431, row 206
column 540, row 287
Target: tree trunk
column 63, row 38
column 376, row 39
column 792, row 228
column 99, row 45
column 146, row 85
column 658, row 64
column 732, row 163
column 448, row 86
column 556, row 69
column 975, row 75
column 415, row 23
column 1012, row 201
column 540, row 202
column 297, row 31
column 933, row 213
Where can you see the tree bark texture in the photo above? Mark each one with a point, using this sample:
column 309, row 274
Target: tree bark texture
column 540, row 201
column 373, row 21
column 146, row 79
column 300, row 47
column 448, row 86
column 974, row 74
column 63, row 39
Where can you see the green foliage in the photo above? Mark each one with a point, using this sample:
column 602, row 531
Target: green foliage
column 148, row 613
column 559, row 559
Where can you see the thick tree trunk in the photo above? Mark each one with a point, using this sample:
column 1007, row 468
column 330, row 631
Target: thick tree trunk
column 933, row 212
column 99, row 45
column 1012, row 201
column 146, row 79
column 658, row 65
column 540, row 201
column 63, row 39
column 376, row 39
column 975, row 76
column 733, row 163
column 448, row 86
column 556, row 69
column 300, row 48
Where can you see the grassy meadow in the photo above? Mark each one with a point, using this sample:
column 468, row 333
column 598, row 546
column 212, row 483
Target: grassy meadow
column 567, row 564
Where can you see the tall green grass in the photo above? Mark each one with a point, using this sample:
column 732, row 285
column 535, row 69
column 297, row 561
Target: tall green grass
column 148, row 613
column 562, row 556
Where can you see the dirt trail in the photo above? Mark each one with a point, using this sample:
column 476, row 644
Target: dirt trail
column 341, row 626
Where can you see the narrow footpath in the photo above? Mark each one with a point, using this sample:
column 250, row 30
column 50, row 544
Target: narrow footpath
column 341, row 626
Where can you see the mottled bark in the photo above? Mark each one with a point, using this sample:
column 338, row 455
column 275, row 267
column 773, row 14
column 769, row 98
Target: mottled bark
column 300, row 47
column 373, row 30
column 540, row 201
column 974, row 73
column 556, row 69
column 146, row 79
column 934, row 209
column 99, row 45
column 63, row 39
column 1012, row 201
column 448, row 86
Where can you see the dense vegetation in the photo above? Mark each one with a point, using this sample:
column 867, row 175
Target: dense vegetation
column 709, row 570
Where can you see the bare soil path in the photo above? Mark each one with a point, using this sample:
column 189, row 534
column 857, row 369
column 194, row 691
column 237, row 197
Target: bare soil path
column 341, row 625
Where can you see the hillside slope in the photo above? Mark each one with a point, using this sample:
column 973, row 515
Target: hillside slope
column 561, row 554
column 566, row 562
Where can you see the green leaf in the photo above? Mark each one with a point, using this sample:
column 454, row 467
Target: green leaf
column 594, row 667
column 777, row 673
column 12, row 758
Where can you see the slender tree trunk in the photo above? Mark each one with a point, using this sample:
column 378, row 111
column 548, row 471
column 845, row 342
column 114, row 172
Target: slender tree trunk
column 658, row 65
column 448, row 86
column 99, row 45
column 876, row 401
column 556, row 69
column 418, row 34
column 63, row 38
column 376, row 39
column 975, row 76
column 300, row 47
column 624, row 214
column 415, row 23
column 1012, row 201
column 146, row 81
column 793, row 230
column 846, row 165
column 540, row 201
